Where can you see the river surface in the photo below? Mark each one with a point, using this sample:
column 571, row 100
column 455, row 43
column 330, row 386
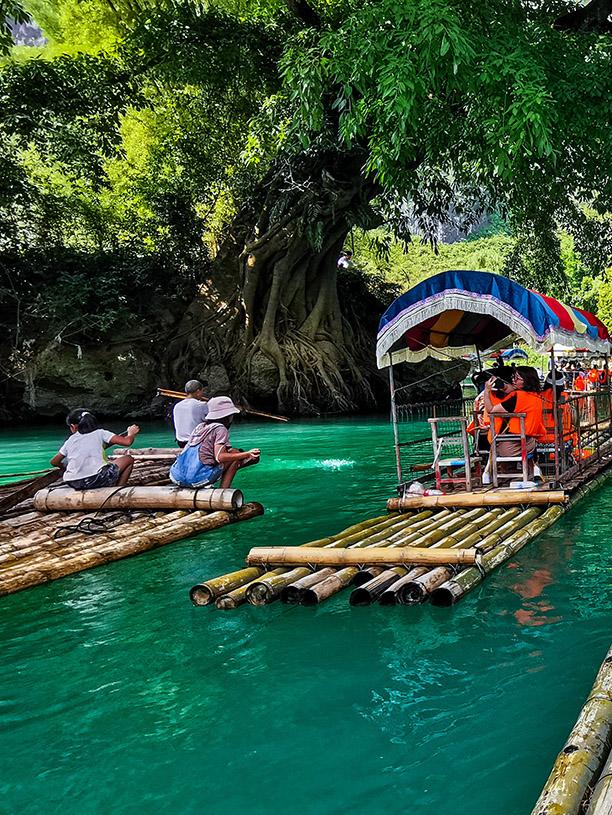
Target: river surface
column 118, row 696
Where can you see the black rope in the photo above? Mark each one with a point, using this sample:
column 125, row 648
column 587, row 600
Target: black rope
column 92, row 525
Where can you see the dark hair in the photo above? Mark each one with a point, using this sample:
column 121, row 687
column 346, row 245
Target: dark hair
column 531, row 380
column 83, row 419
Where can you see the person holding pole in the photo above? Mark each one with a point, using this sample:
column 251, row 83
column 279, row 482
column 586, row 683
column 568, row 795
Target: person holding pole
column 189, row 412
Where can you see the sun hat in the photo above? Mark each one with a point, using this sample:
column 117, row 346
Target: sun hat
column 559, row 380
column 219, row 407
column 194, row 385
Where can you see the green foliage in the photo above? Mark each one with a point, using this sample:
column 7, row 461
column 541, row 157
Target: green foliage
column 378, row 253
column 146, row 124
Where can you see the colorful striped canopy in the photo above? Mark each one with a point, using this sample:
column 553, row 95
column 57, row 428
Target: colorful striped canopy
column 456, row 313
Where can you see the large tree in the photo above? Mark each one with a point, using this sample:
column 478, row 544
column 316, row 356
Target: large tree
column 324, row 116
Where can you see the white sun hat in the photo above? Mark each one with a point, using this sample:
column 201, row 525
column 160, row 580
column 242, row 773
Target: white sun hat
column 219, row 407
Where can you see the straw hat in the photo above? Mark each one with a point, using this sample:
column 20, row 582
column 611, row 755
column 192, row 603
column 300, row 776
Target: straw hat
column 219, row 407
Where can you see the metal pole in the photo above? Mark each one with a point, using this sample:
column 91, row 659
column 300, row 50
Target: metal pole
column 607, row 387
column 398, row 459
column 553, row 373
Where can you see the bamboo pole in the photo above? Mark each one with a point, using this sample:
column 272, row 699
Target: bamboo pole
column 265, row 590
column 390, row 597
column 138, row 498
column 295, row 555
column 291, row 593
column 338, row 580
column 580, row 761
column 457, row 587
column 181, row 395
column 238, row 596
column 203, row 594
column 601, row 799
column 491, row 498
column 326, row 588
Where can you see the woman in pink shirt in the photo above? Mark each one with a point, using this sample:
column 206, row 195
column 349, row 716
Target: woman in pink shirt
column 208, row 455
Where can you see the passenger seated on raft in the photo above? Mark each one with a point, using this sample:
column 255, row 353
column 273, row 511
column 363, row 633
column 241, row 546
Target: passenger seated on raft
column 82, row 456
column 525, row 398
column 208, row 455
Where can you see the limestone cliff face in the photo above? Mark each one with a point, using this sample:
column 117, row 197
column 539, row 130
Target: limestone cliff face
column 121, row 380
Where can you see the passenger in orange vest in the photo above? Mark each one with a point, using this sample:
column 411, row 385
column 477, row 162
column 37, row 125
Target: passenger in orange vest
column 524, row 399
column 592, row 378
column 481, row 415
column 567, row 429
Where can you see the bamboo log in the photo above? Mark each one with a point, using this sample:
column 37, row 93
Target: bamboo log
column 291, row 593
column 265, row 590
column 296, row 555
column 203, row 594
column 146, row 454
column 418, row 589
column 492, row 498
column 138, row 498
column 601, row 799
column 323, row 590
column 390, row 597
column 238, row 596
column 369, row 592
column 580, row 761
column 457, row 587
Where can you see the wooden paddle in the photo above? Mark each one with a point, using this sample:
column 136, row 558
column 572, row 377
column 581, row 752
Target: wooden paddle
column 180, row 395
column 26, row 489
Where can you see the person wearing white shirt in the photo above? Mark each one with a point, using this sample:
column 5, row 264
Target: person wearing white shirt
column 82, row 456
column 189, row 412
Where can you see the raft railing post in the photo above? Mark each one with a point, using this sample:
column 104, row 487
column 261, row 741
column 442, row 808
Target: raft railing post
column 607, row 387
column 396, row 443
column 553, row 374
column 524, row 461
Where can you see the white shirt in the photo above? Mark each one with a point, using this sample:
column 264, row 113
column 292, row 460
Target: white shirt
column 84, row 453
column 187, row 415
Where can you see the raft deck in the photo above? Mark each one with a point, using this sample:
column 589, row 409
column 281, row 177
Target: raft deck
column 38, row 547
column 489, row 525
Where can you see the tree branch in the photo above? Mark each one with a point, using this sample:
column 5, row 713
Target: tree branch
column 592, row 18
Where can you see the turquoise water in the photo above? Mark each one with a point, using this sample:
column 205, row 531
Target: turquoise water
column 118, row 696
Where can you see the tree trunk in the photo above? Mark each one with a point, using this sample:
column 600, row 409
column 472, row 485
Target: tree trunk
column 270, row 315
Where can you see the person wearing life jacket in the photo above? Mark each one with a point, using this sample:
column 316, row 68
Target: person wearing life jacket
column 592, row 378
column 567, row 430
column 481, row 421
column 526, row 399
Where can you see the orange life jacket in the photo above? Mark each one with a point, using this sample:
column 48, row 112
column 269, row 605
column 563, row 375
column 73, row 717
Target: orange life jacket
column 580, row 383
column 483, row 420
column 548, row 417
column 531, row 405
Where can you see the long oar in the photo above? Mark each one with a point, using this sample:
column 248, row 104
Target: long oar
column 26, row 489
column 180, row 395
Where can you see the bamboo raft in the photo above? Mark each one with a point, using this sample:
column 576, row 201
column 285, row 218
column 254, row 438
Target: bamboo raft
column 422, row 550
column 580, row 782
column 40, row 546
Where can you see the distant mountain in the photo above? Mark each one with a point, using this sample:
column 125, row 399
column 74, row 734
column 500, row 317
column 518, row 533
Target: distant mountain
column 27, row 34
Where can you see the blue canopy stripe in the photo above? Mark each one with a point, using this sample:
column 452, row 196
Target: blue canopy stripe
column 454, row 313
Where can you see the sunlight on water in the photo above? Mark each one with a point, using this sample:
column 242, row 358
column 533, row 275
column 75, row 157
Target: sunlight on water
column 118, row 696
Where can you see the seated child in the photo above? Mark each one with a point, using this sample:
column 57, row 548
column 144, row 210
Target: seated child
column 82, row 457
